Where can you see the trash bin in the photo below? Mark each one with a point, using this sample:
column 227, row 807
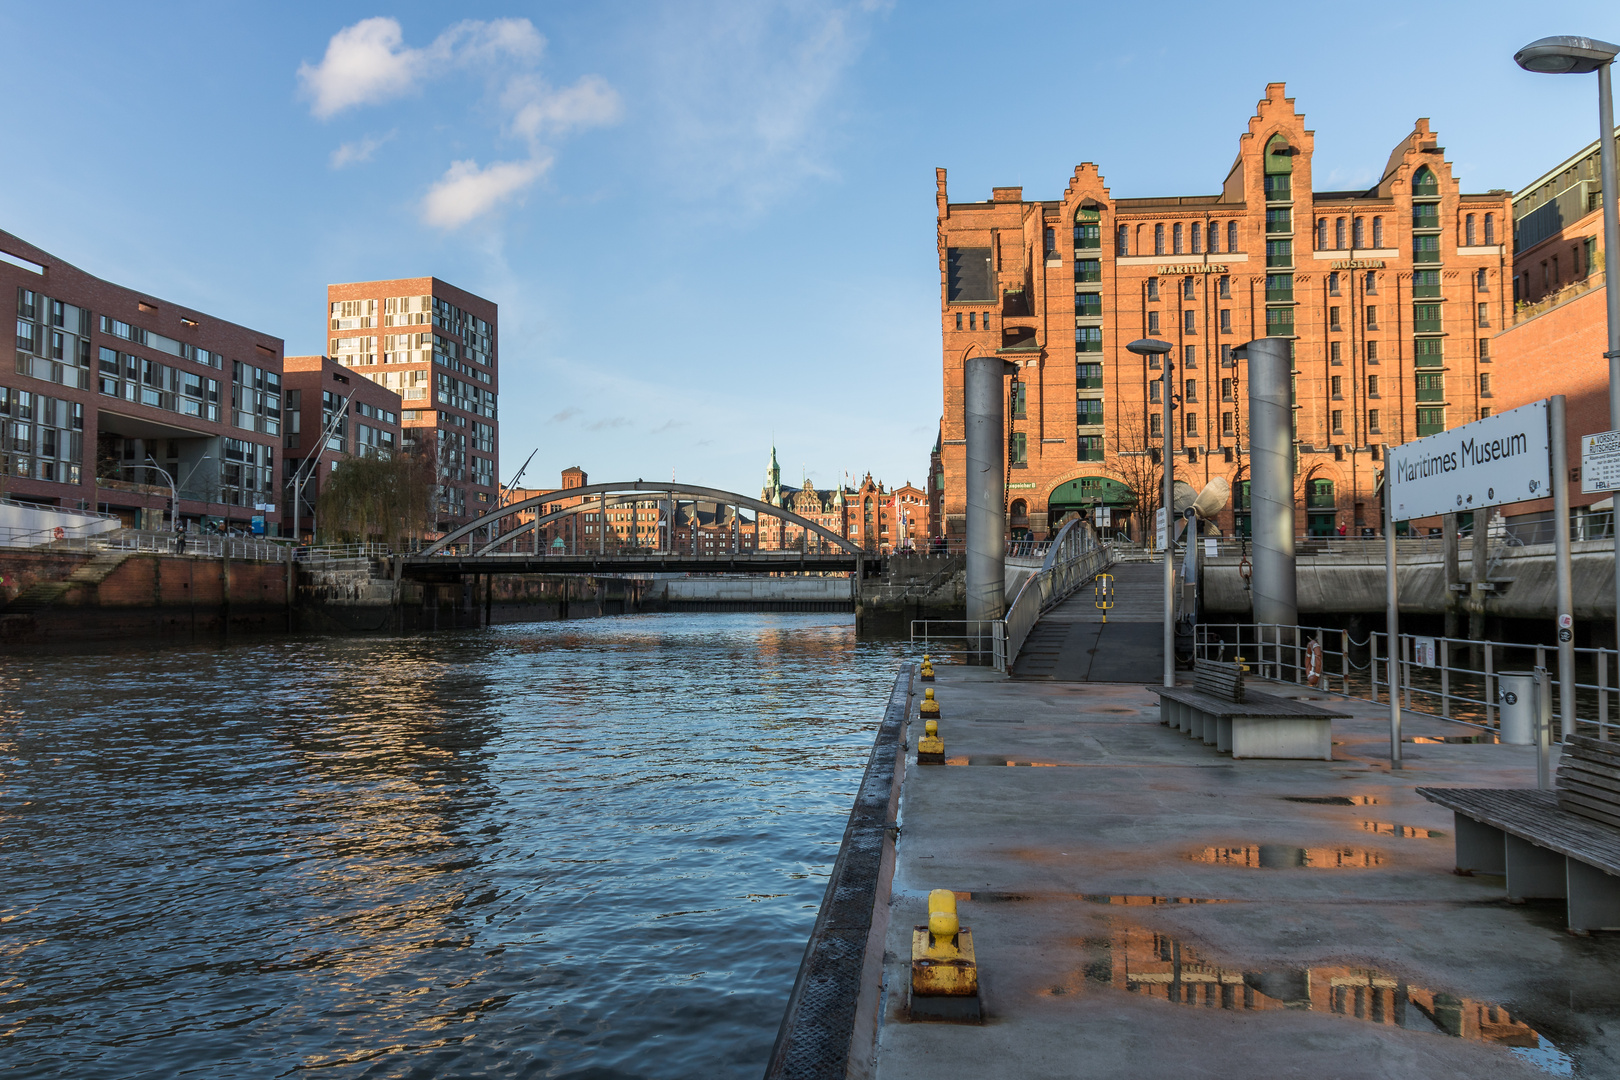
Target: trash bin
column 1516, row 693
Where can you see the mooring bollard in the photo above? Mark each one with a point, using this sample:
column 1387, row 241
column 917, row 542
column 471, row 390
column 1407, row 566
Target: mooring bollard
column 944, row 970
column 931, row 748
column 927, row 672
column 929, row 707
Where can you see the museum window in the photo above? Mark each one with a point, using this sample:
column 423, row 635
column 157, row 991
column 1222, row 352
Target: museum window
column 1158, row 239
column 1333, row 283
column 1152, row 288
column 1231, row 236
column 1197, row 238
column 1175, row 231
column 1226, row 287
column 1378, row 234
column 1490, row 228
column 1372, row 422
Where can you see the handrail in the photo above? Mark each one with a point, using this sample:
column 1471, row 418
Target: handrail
column 1074, row 558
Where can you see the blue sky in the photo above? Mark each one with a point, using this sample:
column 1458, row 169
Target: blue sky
column 708, row 225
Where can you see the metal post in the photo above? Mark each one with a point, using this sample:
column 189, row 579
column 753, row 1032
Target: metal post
column 1448, row 535
column 1372, row 660
column 1344, row 660
column 984, row 391
column 1406, row 669
column 1169, row 499
column 601, row 526
column 1602, row 659
column 1392, row 616
column 1445, row 676
column 1566, row 588
column 1271, row 472
column 1611, row 276
column 1490, row 687
column 1543, row 728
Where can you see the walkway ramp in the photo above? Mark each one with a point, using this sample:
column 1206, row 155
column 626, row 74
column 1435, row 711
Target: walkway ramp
column 1071, row 643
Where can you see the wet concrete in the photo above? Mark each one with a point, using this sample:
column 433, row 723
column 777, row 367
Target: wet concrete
column 1152, row 908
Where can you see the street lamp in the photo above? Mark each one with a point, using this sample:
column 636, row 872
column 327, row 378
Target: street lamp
column 1155, row 347
column 174, row 494
column 1578, row 56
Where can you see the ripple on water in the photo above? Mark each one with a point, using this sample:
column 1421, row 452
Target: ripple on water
column 538, row 848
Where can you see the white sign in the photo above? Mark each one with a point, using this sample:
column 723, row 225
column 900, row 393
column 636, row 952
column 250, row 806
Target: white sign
column 1600, row 462
column 1211, row 548
column 1501, row 459
column 1100, row 516
column 1423, row 651
column 1158, row 526
column 1566, row 621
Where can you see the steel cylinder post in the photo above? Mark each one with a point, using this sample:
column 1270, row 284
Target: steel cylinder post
column 1271, row 481
column 984, row 407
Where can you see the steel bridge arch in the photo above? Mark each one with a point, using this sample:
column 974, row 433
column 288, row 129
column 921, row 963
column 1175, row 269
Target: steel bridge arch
column 493, row 518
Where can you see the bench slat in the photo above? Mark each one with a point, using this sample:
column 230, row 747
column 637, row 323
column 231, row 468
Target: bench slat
column 1591, row 809
column 1535, row 816
column 1597, row 749
column 1599, row 787
column 1588, row 766
column 1255, row 705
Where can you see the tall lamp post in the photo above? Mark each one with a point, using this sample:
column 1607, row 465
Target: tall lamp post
column 1155, row 347
column 174, row 494
column 1578, row 56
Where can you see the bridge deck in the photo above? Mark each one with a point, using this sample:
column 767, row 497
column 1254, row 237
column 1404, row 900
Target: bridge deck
column 1071, row 643
column 649, row 562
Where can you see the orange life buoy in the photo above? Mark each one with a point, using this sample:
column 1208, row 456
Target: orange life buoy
column 1313, row 662
column 59, row 532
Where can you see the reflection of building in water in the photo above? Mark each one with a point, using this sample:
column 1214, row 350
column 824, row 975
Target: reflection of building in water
column 1280, row 856
column 1408, row 832
column 1144, row 962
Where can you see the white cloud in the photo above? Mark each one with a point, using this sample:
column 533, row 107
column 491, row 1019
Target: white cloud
column 466, row 191
column 352, row 153
column 368, row 63
column 537, row 109
column 364, row 64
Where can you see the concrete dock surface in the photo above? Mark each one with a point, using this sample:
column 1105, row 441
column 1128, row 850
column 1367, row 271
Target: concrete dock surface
column 1143, row 906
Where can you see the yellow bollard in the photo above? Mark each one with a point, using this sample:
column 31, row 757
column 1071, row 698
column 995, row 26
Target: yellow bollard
column 944, row 970
column 929, row 707
column 931, row 748
column 927, row 672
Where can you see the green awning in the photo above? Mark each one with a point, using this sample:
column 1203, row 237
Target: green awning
column 1090, row 491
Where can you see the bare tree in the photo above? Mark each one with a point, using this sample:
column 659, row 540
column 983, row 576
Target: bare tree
column 374, row 497
column 1137, row 453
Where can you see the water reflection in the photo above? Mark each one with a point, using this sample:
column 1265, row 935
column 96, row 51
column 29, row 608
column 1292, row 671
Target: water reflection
column 536, row 849
column 1142, row 961
column 1405, row 832
column 1282, row 857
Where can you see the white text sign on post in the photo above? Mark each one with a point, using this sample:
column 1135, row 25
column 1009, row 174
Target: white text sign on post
column 1600, row 462
column 1501, row 459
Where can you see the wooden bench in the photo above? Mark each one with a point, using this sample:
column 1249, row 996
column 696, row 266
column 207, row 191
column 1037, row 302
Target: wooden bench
column 1549, row 844
column 1219, row 710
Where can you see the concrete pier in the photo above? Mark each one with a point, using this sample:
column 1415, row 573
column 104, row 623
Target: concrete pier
column 1144, row 906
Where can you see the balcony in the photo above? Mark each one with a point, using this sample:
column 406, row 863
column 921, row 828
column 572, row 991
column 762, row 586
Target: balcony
column 1279, row 322
column 1431, row 393
column 1282, row 294
column 1088, row 269
column 1421, row 291
column 1279, row 220
column 1279, row 188
column 1426, row 216
column 1088, row 305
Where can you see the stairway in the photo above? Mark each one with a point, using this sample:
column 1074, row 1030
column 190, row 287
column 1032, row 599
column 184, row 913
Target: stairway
column 1072, row 643
column 43, row 594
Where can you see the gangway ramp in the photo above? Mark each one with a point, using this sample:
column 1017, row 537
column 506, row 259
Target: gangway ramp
column 1072, row 643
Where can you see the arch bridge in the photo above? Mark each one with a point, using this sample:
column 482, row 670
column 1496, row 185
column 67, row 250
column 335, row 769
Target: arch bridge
column 510, row 548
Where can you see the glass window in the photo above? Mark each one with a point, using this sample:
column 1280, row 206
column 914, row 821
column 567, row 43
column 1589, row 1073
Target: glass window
column 1176, row 232
column 1226, row 287
column 1378, row 233
column 1090, row 448
column 1197, row 238
column 1089, row 411
column 1088, row 339
column 1088, row 269
column 1333, row 283
column 1020, row 399
column 1279, row 253
column 1020, row 448
column 1231, row 236
column 1152, row 288
column 1158, row 239
column 1424, row 182
column 1279, row 219
column 1187, row 288
column 1088, row 376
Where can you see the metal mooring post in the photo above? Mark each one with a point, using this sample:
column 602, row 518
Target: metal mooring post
column 984, row 392
column 1392, row 615
column 1566, row 589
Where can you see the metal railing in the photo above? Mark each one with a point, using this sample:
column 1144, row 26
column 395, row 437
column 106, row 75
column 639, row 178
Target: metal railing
column 334, row 552
column 1450, row 678
column 1072, row 558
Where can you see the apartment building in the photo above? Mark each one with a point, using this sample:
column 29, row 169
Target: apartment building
column 437, row 347
column 1389, row 295
column 113, row 399
column 357, row 416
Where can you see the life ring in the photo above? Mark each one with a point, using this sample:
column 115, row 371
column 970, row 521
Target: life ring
column 60, row 532
column 1313, row 662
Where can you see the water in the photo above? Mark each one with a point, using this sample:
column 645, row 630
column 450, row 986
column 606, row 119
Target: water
column 584, row 849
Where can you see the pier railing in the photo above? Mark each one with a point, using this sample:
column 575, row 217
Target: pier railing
column 1450, row 678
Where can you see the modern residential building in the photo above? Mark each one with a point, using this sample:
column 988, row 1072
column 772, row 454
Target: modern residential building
column 314, row 390
column 1389, row 294
column 1558, row 334
column 436, row 346
column 111, row 399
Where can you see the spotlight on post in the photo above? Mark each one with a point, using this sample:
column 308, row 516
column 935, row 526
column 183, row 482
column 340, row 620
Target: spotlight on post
column 1155, row 347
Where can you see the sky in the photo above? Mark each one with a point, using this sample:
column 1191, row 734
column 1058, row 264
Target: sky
column 709, row 226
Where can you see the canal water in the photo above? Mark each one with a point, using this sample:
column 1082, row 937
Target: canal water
column 581, row 849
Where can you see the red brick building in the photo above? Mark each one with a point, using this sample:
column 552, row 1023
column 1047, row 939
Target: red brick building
column 108, row 395
column 437, row 346
column 1559, row 327
column 314, row 389
column 874, row 517
column 1390, row 295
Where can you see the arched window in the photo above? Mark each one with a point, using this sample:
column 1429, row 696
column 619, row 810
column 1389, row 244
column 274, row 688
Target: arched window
column 1333, row 283
column 1468, row 230
column 1197, row 238
column 1378, row 232
column 1358, row 234
column 1051, row 241
column 1158, row 239
column 1019, row 509
column 1490, row 228
column 1481, row 283
column 1177, row 238
column 1122, row 240
column 1321, row 234
column 1338, row 232
column 1424, row 182
column 1231, row 236
column 1278, row 167
column 1214, row 237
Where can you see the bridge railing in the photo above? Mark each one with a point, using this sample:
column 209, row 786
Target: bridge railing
column 1450, row 678
column 1074, row 557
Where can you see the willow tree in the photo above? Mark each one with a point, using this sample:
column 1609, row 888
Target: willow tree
column 376, row 498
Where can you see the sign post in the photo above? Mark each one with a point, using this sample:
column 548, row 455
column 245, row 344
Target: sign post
column 1511, row 457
